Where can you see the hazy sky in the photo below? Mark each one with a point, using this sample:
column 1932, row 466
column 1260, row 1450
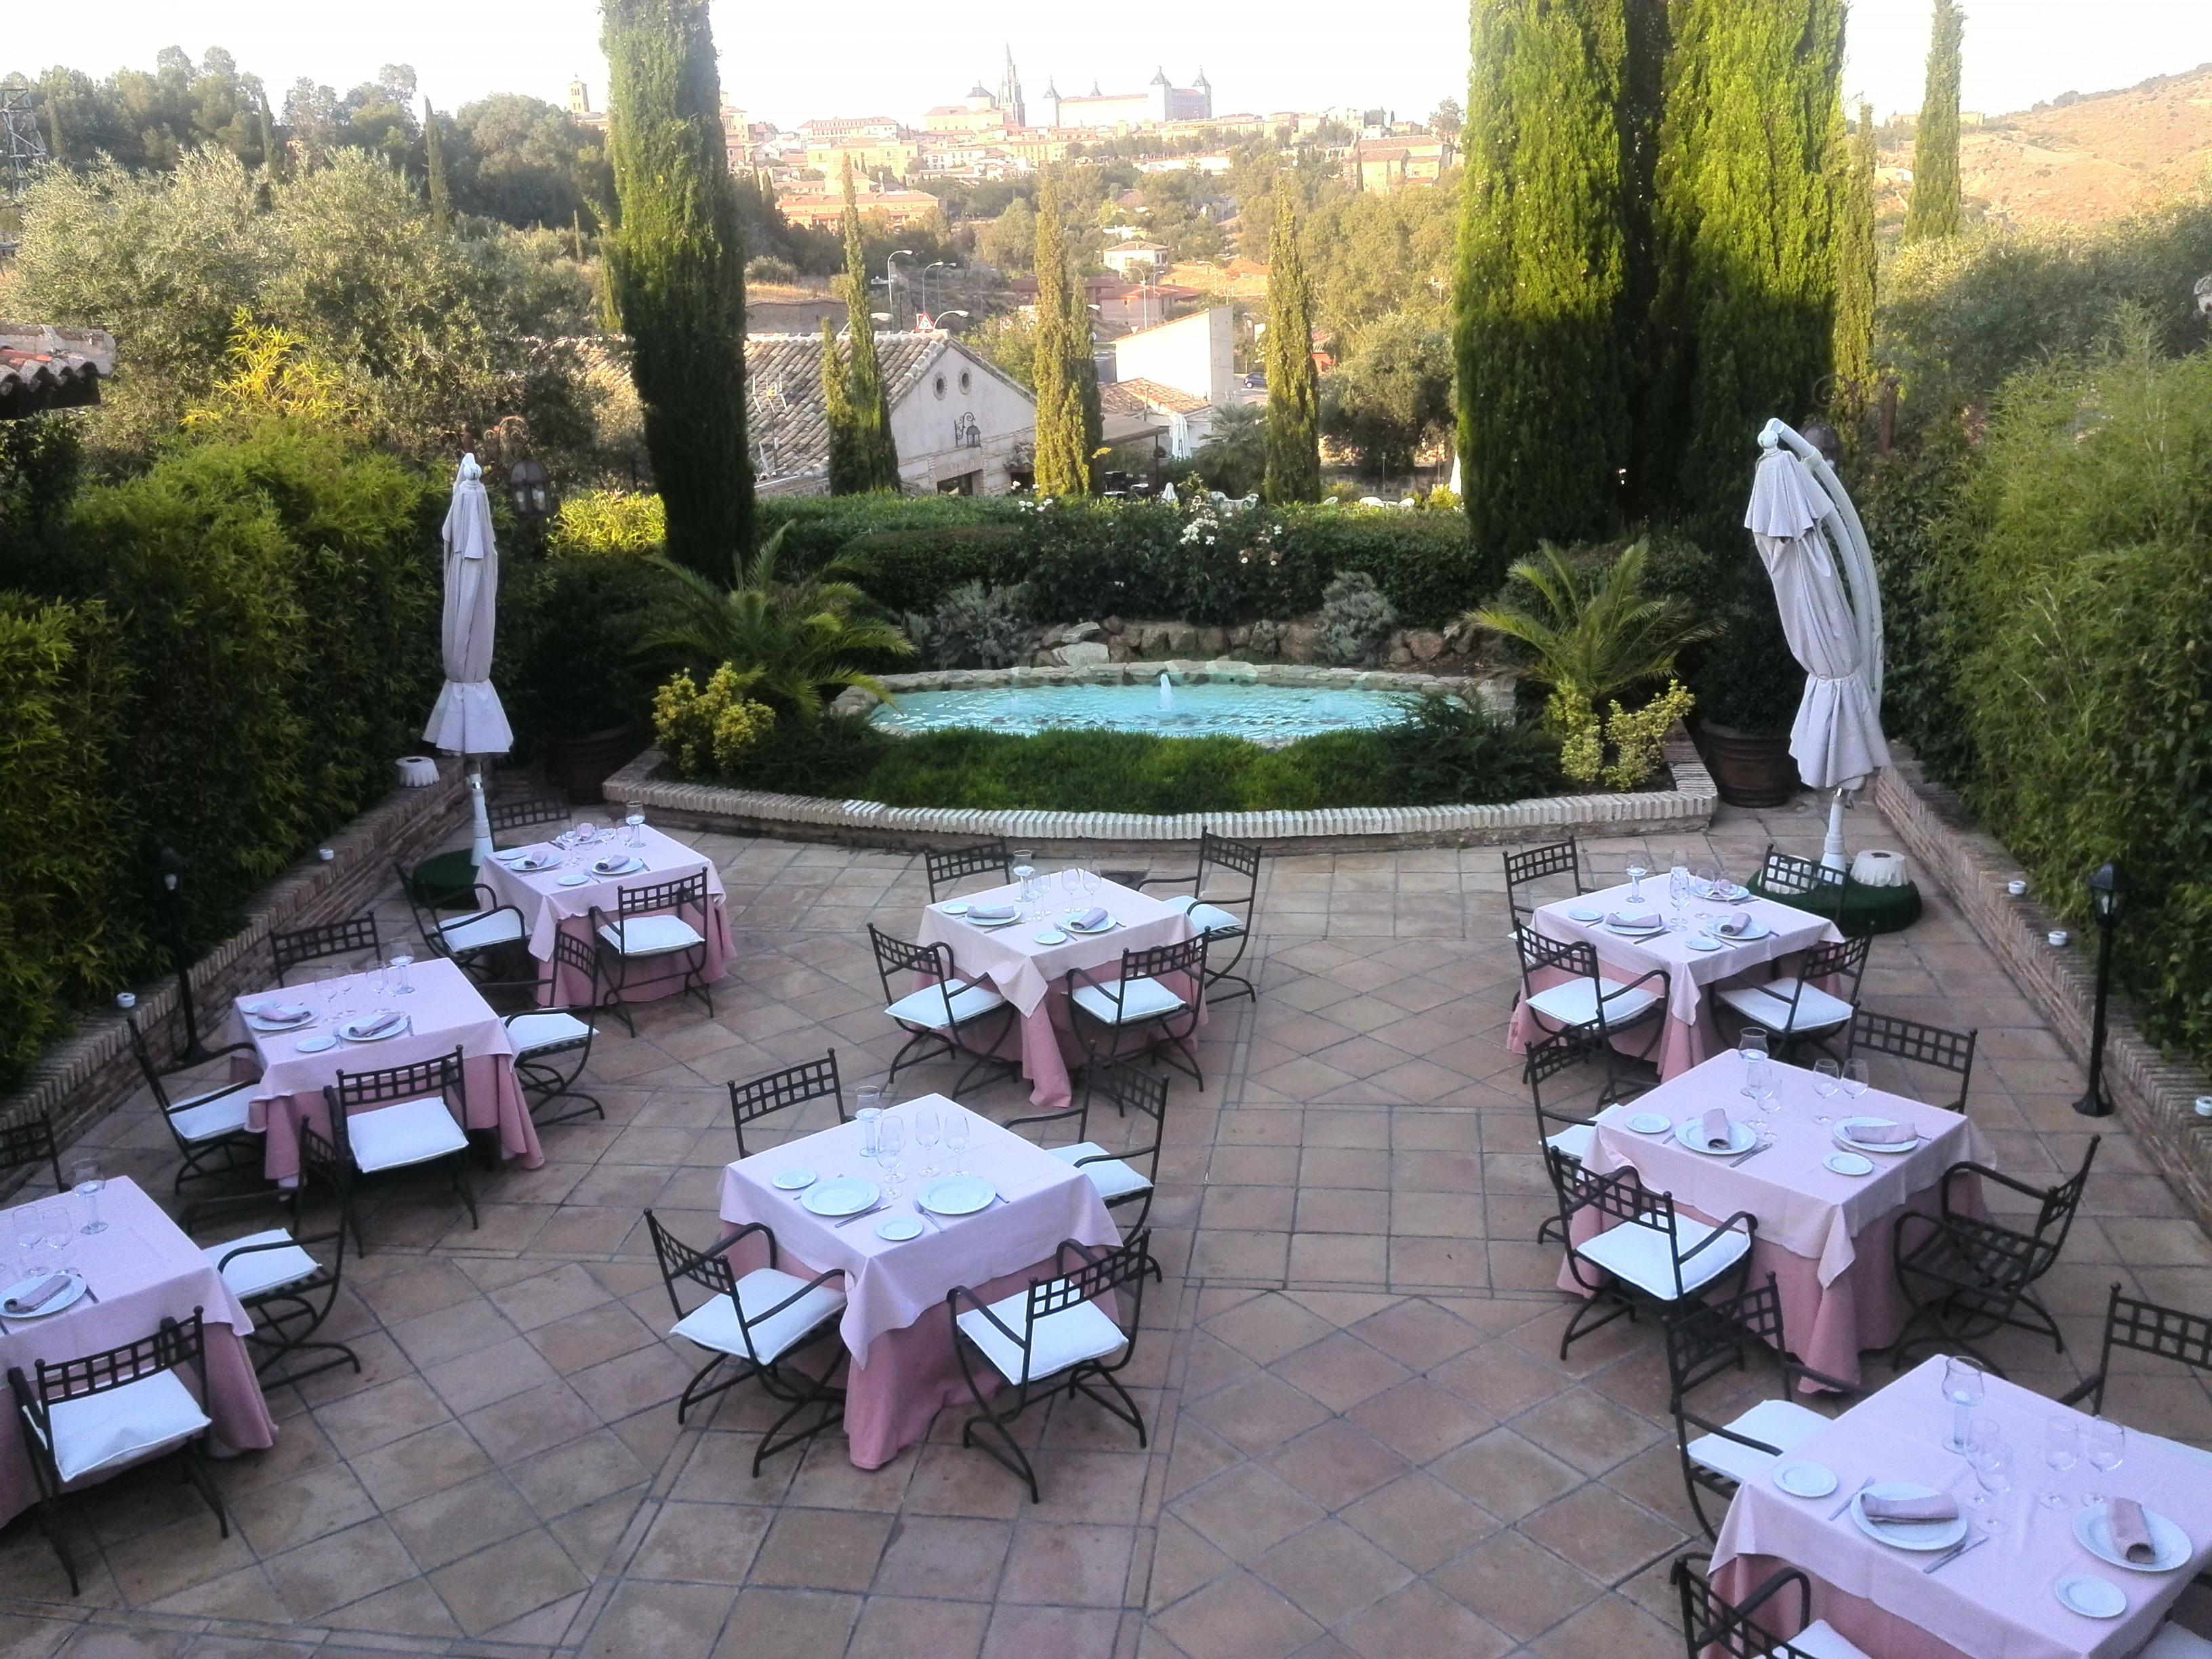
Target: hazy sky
column 786, row 63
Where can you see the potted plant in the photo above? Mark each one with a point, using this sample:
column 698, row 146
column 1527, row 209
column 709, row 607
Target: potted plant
column 1748, row 688
column 569, row 666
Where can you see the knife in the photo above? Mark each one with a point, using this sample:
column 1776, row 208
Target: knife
column 880, row 1204
column 1746, row 1157
column 1955, row 1552
column 1846, row 1504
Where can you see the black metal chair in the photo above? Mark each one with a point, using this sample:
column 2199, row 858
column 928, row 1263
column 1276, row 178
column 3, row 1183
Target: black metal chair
column 30, row 1142
column 1793, row 1009
column 1117, row 1176
column 399, row 1117
column 951, row 865
column 2143, row 1327
column 1784, row 876
column 521, row 812
column 945, row 1015
column 1534, row 864
column 356, row 936
column 648, row 932
column 1139, row 1000
column 553, row 1043
column 104, row 1411
column 1051, row 1339
column 794, row 1086
column 763, row 1320
column 1965, row 1277
column 1712, row 1629
column 485, row 934
column 205, row 1126
column 1647, row 1254
column 1586, row 1002
column 1546, row 1058
column 1223, row 903
column 1704, row 1340
column 1910, row 1039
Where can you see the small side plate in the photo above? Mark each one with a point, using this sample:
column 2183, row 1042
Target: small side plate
column 1699, row 942
column 792, row 1179
column 1051, row 936
column 1849, row 1164
column 316, row 1043
column 899, row 1229
column 574, row 878
column 1583, row 913
column 1650, row 1123
column 953, row 907
column 1806, row 1479
column 2093, row 1598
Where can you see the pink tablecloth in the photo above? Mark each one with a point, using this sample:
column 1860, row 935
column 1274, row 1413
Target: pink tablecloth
column 1033, row 976
column 895, row 1327
column 1997, row 1601
column 444, row 1010
column 143, row 1270
column 1689, row 1034
column 547, row 907
column 1827, row 1237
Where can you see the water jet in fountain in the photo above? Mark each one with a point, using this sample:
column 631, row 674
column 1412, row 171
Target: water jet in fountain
column 1167, row 695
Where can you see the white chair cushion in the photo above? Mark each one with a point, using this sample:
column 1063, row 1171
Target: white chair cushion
column 138, row 1421
column 210, row 1117
column 1142, row 998
column 650, row 936
column 1057, row 1341
column 546, row 1031
column 480, row 932
column 1207, row 918
column 2172, row 1642
column 406, row 1132
column 1112, row 1177
column 1819, row 1641
column 1575, row 1141
column 263, row 1270
column 1574, row 1003
column 926, row 1007
column 1779, row 1423
column 1636, row 1251
column 1768, row 1004
column 714, row 1323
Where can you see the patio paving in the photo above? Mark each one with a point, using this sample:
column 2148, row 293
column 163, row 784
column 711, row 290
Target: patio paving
column 1363, row 1443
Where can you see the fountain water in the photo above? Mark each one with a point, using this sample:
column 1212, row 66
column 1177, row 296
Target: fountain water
column 1167, row 696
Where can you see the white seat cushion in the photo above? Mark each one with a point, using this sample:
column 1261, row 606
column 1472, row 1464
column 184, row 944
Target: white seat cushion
column 1058, row 1340
column 650, row 936
column 1110, row 1175
column 263, row 1270
column 406, row 1132
column 210, row 1117
column 1636, row 1251
column 480, row 932
column 2172, row 1642
column 926, row 1007
column 547, row 1030
column 1768, row 1004
column 122, row 1425
column 1778, row 1422
column 1142, row 998
column 714, row 1323
column 1818, row 1641
column 1575, row 1141
column 1207, row 918
column 1574, row 1003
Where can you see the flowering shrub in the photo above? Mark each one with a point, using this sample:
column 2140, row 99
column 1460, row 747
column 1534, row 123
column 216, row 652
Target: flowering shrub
column 708, row 732
column 1633, row 736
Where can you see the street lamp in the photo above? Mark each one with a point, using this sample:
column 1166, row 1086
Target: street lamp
column 1824, row 438
column 937, row 321
column 2108, row 892
column 530, row 487
column 171, row 865
column 891, row 276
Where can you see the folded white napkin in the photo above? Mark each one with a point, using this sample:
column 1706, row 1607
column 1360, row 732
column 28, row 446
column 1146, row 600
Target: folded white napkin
column 1883, row 1134
column 1937, row 1506
column 54, row 1284
column 1716, row 1129
column 1732, row 926
column 1640, row 919
column 1096, row 916
column 2131, row 1532
column 279, row 1012
column 991, row 912
column 380, row 1023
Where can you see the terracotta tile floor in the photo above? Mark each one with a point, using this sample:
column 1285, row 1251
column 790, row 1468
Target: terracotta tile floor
column 1363, row 1439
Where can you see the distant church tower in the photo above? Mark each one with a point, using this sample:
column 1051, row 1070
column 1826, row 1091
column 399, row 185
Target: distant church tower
column 1010, row 94
column 579, row 98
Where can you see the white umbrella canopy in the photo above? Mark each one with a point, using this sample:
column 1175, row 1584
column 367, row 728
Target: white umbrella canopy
column 468, row 719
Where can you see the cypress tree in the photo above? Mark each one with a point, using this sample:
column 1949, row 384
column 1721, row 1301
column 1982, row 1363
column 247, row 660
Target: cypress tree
column 433, row 146
column 676, row 274
column 1063, row 357
column 1856, row 263
column 1548, row 257
column 1293, row 389
column 872, row 452
column 1936, row 206
column 837, row 416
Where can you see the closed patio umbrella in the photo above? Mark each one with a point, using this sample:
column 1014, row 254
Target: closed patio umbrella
column 467, row 719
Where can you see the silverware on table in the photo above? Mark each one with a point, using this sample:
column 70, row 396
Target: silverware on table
column 1956, row 1550
column 1746, row 1157
column 1846, row 1504
column 859, row 1214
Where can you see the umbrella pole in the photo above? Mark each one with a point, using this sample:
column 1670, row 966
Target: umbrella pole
column 480, row 823
column 1832, row 852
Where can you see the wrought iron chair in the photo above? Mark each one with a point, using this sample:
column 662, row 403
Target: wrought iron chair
column 487, row 932
column 794, row 1086
column 1909, row 1039
column 763, row 1321
column 205, row 1126
column 1712, row 1629
column 949, row 866
column 521, row 812
column 1586, row 1002
column 1140, row 1000
column 1647, row 1255
column 29, row 1143
column 354, row 936
column 407, row 1115
column 1532, row 864
column 1570, row 1135
column 1784, row 876
column 1793, row 1009
column 1117, row 1176
column 553, row 1044
column 647, row 930
column 104, row 1411
column 1223, row 903
column 942, row 1010
column 1965, row 1277
column 1051, row 1339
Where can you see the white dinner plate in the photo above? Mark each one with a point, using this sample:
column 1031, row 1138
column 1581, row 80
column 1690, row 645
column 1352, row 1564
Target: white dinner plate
column 530, row 864
column 962, row 1195
column 574, row 878
column 315, row 1043
column 66, row 1297
column 264, row 1017
column 847, row 1195
column 899, row 1229
column 2093, row 1598
column 1845, row 1138
column 1583, row 913
column 1806, row 1479
column 1651, row 1123
column 2092, row 1526
column 1691, row 1131
column 1699, row 942
column 953, row 907
column 1907, row 1534
column 356, row 1031
column 1051, row 936
column 793, row 1179
column 1849, row 1164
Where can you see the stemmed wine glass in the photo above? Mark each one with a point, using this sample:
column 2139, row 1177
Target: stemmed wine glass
column 925, row 1137
column 1828, row 1078
column 2062, row 1449
column 1678, row 893
column 890, row 1142
column 1856, row 1079
column 2104, row 1442
column 1992, row 1460
column 956, row 1134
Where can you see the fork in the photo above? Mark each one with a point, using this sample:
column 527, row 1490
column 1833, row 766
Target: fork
column 1846, row 1504
column 1956, row 1551
column 858, row 1215
column 1746, row 1157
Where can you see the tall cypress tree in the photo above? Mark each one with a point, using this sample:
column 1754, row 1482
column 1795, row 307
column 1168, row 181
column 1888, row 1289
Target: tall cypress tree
column 434, row 148
column 1293, row 389
column 1857, row 264
column 1548, row 270
column 873, row 463
column 272, row 156
column 1936, row 206
column 1063, row 449
column 676, row 274
column 837, row 416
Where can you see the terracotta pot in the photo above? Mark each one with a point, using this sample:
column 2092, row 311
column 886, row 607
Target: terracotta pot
column 580, row 765
column 1748, row 770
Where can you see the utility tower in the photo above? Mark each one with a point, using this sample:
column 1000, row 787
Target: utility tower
column 23, row 148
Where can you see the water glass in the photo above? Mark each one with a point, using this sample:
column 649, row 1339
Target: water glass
column 1677, row 895
column 401, row 986
column 1749, row 1047
column 2062, row 1448
column 634, row 816
column 87, row 1182
column 1636, row 874
column 2104, row 1442
column 1025, row 873
column 925, row 1137
column 1827, row 1079
column 870, row 1118
column 1963, row 1386
column 890, row 1142
column 956, row 1134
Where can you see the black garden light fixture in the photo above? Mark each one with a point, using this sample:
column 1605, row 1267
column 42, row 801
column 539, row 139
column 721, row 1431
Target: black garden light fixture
column 171, row 865
column 2108, row 894
column 530, row 486
column 1824, row 438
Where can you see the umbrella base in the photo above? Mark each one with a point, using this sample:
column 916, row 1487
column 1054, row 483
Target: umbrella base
column 1861, row 911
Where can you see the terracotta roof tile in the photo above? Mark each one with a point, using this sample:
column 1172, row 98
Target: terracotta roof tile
column 43, row 367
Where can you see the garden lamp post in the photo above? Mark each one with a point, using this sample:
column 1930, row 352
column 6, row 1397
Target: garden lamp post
column 1824, row 438
column 2108, row 890
column 530, row 487
column 171, row 865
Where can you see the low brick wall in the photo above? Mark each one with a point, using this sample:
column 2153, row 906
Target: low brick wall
column 90, row 1074
column 2155, row 1098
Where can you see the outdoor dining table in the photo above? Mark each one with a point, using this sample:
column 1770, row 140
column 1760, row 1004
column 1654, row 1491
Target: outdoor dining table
column 444, row 1010
column 1827, row 1237
column 1996, row 1600
column 896, row 1325
column 1688, row 1033
column 548, row 907
column 1033, row 975
column 140, row 1270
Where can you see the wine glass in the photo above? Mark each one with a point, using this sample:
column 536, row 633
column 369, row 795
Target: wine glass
column 326, row 992
column 87, row 1181
column 1751, row 1046
column 1963, row 1386
column 956, row 1134
column 1025, row 873
column 1708, row 876
column 2062, row 1448
column 2104, row 1442
column 1992, row 1460
column 890, row 1142
column 1828, row 1078
column 1636, row 874
column 1678, row 893
column 925, row 1137
column 1856, row 1078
